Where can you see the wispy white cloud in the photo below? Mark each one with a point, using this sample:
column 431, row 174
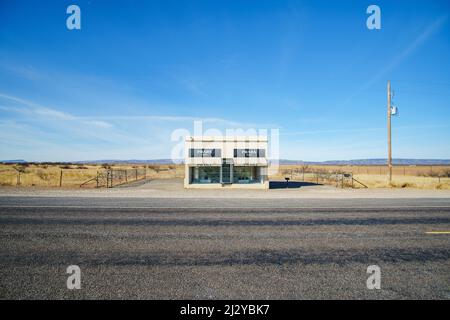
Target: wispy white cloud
column 38, row 112
column 413, row 46
column 25, row 125
column 25, row 71
column 161, row 118
column 100, row 124
column 194, row 86
column 33, row 109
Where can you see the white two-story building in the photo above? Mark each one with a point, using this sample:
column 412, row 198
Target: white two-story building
column 216, row 162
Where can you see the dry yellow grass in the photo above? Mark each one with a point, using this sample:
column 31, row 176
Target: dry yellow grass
column 422, row 177
column 43, row 175
column 413, row 170
column 399, row 181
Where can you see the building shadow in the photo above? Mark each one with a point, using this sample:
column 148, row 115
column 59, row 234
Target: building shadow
column 291, row 184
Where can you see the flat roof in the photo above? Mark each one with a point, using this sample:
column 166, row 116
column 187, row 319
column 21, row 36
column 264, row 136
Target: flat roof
column 227, row 138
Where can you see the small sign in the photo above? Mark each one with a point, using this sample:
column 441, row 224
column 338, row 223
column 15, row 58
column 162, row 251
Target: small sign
column 204, row 153
column 394, row 111
column 249, row 153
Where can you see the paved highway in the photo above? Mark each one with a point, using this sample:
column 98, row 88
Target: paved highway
column 224, row 248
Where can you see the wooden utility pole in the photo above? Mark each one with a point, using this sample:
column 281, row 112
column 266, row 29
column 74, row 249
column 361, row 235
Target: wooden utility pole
column 389, row 130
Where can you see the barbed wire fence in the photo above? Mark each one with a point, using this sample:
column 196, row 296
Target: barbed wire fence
column 110, row 178
column 107, row 176
column 320, row 176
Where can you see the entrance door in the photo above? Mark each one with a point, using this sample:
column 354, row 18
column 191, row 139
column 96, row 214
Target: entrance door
column 226, row 171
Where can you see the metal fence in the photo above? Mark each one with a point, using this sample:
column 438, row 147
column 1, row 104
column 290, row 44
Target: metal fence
column 336, row 178
column 110, row 178
column 339, row 179
column 87, row 176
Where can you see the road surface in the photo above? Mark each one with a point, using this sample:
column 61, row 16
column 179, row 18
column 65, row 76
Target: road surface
column 241, row 248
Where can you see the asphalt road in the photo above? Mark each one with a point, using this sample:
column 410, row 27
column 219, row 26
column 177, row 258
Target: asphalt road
column 224, row 248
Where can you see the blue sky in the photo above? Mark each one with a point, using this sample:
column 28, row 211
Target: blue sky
column 138, row 70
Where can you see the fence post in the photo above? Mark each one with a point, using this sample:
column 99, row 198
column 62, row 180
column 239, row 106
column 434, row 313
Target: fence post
column 110, row 179
column 18, row 178
column 60, row 178
column 136, row 173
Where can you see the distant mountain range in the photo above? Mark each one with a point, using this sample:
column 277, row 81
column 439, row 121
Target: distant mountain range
column 13, row 161
column 360, row 162
column 108, row 161
column 372, row 162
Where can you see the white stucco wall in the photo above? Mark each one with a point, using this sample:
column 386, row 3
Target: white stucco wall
column 227, row 146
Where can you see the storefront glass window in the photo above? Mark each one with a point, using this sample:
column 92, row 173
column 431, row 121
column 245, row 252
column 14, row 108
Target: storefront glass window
column 206, row 175
column 244, row 175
